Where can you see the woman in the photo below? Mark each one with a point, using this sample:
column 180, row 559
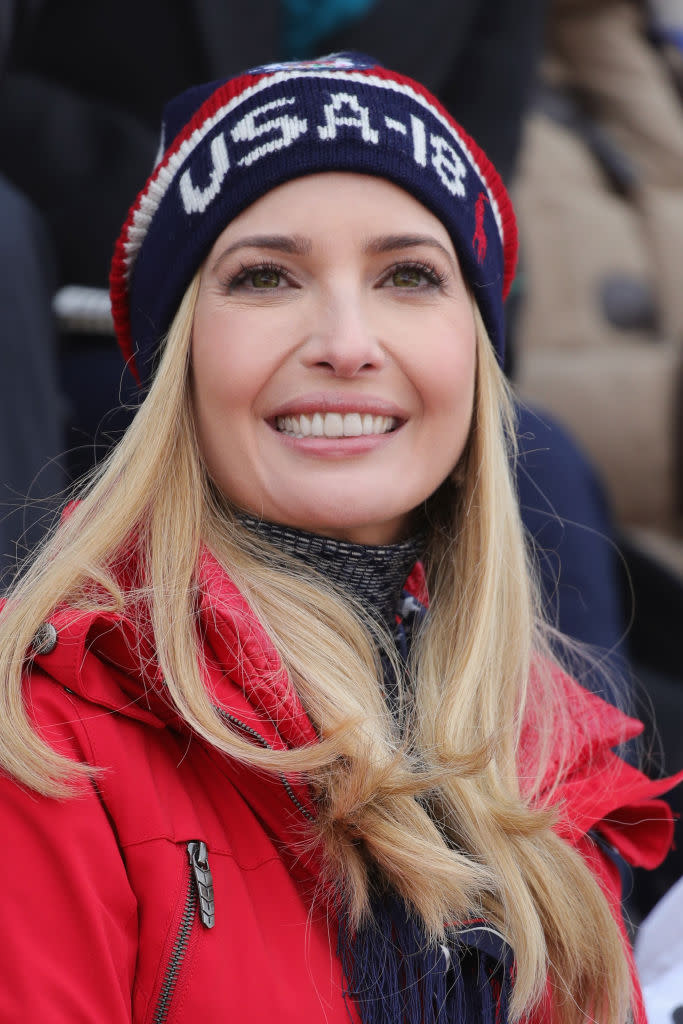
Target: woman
column 247, row 777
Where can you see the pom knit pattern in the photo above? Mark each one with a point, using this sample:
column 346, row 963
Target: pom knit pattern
column 225, row 144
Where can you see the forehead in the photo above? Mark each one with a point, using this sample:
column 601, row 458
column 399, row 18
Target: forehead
column 335, row 203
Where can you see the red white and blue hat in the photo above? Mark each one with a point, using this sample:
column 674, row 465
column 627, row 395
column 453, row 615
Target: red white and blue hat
column 227, row 143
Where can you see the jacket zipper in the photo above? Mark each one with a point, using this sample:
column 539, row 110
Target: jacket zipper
column 264, row 743
column 198, row 898
column 199, row 894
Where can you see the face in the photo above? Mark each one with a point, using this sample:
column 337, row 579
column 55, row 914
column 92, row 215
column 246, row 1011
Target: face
column 333, row 358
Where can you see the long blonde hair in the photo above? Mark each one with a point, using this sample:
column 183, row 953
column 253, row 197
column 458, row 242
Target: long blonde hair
column 437, row 807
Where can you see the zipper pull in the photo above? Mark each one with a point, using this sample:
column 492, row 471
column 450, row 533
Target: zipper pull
column 198, row 855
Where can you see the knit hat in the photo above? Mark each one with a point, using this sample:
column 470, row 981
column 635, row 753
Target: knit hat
column 226, row 143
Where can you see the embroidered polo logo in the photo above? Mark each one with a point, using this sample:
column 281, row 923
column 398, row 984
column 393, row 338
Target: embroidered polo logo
column 479, row 240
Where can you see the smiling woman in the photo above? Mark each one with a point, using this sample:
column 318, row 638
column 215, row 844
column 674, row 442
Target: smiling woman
column 281, row 734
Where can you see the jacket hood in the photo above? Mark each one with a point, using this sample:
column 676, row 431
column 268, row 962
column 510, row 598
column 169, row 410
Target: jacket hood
column 110, row 660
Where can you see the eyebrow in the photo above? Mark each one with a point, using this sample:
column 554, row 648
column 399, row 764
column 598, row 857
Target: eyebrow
column 292, row 245
column 390, row 243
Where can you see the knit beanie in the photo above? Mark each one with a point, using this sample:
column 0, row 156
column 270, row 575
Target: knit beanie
column 226, row 143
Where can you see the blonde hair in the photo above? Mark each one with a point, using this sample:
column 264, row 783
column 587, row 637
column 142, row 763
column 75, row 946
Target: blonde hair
column 438, row 807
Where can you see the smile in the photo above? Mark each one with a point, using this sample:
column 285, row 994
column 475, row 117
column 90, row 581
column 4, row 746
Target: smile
column 335, row 424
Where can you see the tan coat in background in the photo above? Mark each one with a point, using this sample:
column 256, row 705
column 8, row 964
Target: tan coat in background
column 616, row 387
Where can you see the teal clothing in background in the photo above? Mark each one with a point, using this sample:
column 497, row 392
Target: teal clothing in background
column 305, row 22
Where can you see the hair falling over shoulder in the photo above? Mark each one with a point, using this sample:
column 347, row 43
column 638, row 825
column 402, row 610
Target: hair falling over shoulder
column 439, row 810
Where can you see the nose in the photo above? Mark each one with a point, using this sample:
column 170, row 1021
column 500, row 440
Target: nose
column 343, row 339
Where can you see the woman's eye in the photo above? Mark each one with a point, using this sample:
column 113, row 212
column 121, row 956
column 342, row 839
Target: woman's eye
column 264, row 277
column 407, row 277
column 412, row 276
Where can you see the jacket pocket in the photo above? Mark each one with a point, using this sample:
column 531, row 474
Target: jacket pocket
column 198, row 912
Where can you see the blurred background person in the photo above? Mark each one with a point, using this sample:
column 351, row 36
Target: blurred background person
column 599, row 193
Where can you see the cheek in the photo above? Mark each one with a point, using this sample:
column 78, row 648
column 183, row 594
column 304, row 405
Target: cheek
column 222, row 437
column 226, row 367
column 448, row 389
column 212, row 399
column 448, row 397
column 215, row 393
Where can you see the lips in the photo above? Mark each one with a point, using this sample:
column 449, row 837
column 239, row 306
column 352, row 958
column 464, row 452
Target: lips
column 335, row 424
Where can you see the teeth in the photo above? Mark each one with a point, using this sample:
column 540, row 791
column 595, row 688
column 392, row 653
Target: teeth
column 353, row 427
column 317, row 426
column 335, row 424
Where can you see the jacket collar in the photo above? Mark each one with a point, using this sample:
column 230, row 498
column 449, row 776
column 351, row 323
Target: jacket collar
column 110, row 660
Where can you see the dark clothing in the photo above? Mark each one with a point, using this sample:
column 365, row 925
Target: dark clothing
column 31, row 428
column 372, row 575
column 81, row 103
column 565, row 511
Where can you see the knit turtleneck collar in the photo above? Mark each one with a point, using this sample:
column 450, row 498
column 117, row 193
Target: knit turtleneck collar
column 373, row 574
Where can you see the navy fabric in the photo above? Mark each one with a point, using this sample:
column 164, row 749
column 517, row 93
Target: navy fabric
column 394, row 973
column 566, row 514
column 32, row 411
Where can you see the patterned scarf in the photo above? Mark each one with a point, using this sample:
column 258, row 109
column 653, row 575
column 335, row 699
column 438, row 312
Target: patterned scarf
column 396, row 976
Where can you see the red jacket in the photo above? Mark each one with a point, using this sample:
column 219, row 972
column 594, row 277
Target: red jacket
column 106, row 916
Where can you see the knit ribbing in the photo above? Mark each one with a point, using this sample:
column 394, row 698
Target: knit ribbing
column 372, row 574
